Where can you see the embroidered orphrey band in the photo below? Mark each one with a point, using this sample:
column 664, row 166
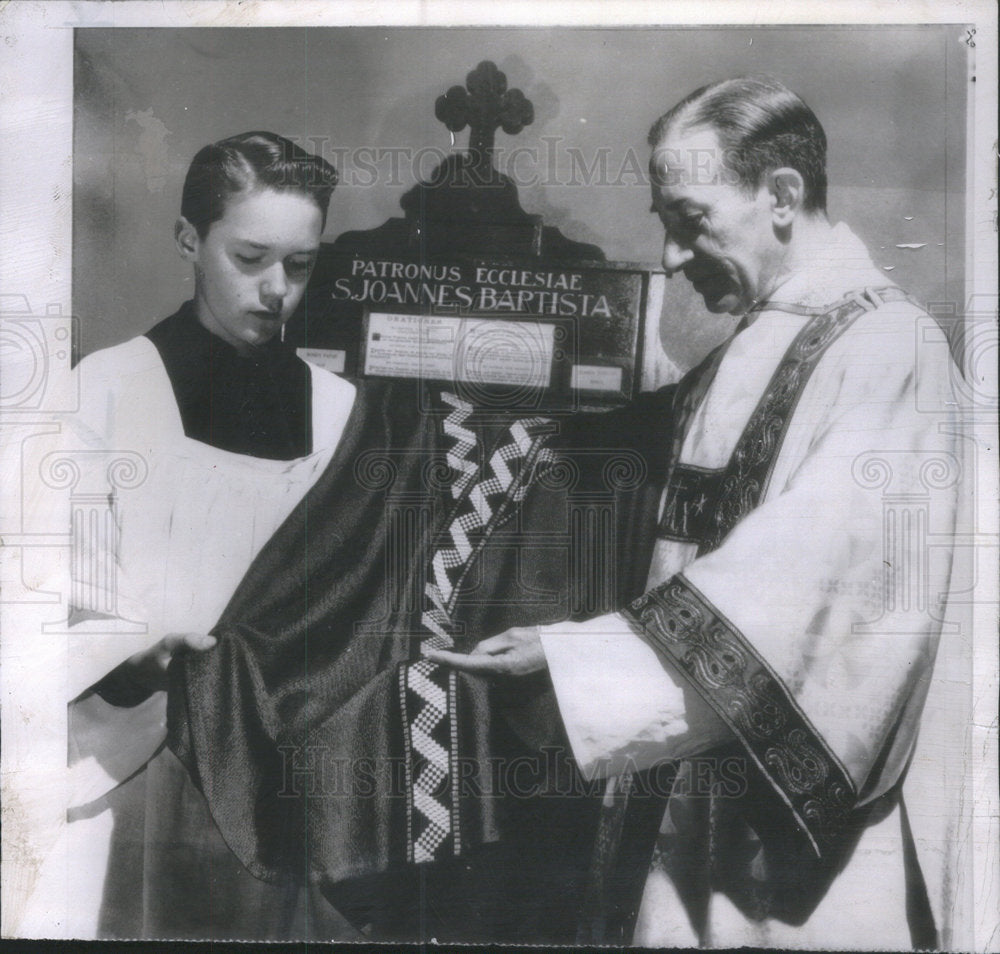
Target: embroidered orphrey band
column 753, row 701
column 485, row 497
column 702, row 506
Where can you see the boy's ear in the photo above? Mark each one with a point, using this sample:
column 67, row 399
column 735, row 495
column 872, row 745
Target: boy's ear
column 186, row 239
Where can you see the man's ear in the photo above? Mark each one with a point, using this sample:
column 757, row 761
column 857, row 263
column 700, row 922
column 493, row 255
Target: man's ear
column 787, row 195
column 186, row 239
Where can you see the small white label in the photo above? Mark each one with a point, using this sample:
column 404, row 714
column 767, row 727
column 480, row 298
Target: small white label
column 593, row 377
column 324, row 358
column 446, row 348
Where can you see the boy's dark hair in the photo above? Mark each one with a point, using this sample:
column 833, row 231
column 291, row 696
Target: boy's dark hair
column 248, row 161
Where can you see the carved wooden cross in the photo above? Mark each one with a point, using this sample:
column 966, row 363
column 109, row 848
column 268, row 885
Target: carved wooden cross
column 484, row 104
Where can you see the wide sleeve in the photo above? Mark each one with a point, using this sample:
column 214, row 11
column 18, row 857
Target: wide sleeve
column 810, row 633
column 624, row 704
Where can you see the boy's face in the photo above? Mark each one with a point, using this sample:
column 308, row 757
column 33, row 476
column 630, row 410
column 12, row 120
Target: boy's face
column 252, row 266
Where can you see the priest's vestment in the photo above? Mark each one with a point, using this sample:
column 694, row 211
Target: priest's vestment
column 768, row 686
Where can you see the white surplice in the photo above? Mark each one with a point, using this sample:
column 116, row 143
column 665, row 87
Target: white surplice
column 188, row 520
column 866, row 476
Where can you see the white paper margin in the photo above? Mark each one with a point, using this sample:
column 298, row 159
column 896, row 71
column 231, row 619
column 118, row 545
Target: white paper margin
column 36, row 77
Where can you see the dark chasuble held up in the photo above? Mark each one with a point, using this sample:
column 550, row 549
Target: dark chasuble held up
column 328, row 749
column 423, row 801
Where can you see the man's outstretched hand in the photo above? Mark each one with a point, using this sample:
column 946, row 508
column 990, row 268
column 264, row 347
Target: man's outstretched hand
column 515, row 652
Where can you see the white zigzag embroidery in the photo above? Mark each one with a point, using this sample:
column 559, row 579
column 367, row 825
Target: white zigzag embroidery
column 436, row 811
column 465, row 441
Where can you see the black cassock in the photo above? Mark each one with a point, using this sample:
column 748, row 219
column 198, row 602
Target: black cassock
column 424, row 802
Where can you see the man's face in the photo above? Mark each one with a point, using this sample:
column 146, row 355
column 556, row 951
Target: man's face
column 720, row 238
column 253, row 265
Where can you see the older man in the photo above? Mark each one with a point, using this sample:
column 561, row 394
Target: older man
column 771, row 679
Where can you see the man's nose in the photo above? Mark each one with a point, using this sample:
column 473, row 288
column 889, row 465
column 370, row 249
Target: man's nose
column 675, row 256
column 274, row 285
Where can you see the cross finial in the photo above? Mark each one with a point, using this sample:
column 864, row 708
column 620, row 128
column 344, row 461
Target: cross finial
column 484, row 104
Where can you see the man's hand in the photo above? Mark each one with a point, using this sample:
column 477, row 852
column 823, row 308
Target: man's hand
column 516, row 652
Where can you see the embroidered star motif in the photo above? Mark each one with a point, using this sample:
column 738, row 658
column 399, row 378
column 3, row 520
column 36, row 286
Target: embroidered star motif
column 699, row 504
